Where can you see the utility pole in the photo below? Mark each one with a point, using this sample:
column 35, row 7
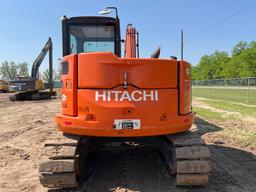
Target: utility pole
column 182, row 44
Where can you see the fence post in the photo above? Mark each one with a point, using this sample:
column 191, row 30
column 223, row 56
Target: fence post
column 225, row 89
column 248, row 87
column 209, row 82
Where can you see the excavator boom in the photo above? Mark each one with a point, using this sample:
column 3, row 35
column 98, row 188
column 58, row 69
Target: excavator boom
column 38, row 61
column 130, row 42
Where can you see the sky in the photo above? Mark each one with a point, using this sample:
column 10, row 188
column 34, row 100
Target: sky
column 26, row 25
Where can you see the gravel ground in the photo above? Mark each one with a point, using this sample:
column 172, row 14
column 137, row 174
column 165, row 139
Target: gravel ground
column 25, row 127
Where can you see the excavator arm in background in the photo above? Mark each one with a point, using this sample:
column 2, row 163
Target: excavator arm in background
column 28, row 89
column 35, row 67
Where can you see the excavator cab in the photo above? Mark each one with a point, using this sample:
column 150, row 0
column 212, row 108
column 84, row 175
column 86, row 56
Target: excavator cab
column 91, row 34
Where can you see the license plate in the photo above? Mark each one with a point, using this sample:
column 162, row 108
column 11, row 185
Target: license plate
column 121, row 124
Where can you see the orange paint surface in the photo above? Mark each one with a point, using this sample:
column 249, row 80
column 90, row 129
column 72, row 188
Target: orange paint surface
column 94, row 96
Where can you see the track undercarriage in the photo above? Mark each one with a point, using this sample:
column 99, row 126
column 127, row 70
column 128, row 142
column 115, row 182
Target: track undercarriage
column 185, row 155
column 32, row 95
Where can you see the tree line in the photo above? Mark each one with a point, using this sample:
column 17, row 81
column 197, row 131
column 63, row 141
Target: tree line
column 219, row 65
column 11, row 70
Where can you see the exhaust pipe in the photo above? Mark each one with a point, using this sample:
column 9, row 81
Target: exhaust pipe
column 156, row 53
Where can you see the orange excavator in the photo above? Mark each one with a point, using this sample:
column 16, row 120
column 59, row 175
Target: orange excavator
column 107, row 98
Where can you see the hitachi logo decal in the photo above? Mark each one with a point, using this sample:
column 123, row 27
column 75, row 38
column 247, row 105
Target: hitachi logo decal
column 136, row 95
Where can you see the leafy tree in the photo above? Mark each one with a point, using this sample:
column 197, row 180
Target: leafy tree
column 8, row 70
column 23, row 69
column 241, row 63
column 46, row 75
column 239, row 48
column 211, row 66
column 58, row 74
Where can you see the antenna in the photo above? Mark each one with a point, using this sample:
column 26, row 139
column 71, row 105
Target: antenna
column 182, row 45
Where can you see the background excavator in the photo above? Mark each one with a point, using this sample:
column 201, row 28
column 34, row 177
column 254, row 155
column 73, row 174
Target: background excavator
column 4, row 86
column 131, row 100
column 30, row 88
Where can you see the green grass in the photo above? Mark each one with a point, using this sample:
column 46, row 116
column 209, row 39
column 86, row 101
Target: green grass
column 233, row 107
column 236, row 95
column 206, row 113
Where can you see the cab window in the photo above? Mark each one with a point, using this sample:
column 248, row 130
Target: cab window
column 84, row 39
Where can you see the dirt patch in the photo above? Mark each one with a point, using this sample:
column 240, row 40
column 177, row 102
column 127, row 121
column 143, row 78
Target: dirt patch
column 235, row 131
column 26, row 126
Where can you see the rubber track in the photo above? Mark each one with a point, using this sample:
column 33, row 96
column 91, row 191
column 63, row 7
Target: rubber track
column 60, row 169
column 190, row 159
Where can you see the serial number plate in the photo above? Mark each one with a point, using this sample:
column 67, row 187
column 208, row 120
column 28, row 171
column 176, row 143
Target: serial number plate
column 121, row 124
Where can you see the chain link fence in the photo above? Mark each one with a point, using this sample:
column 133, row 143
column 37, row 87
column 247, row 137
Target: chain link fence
column 240, row 90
